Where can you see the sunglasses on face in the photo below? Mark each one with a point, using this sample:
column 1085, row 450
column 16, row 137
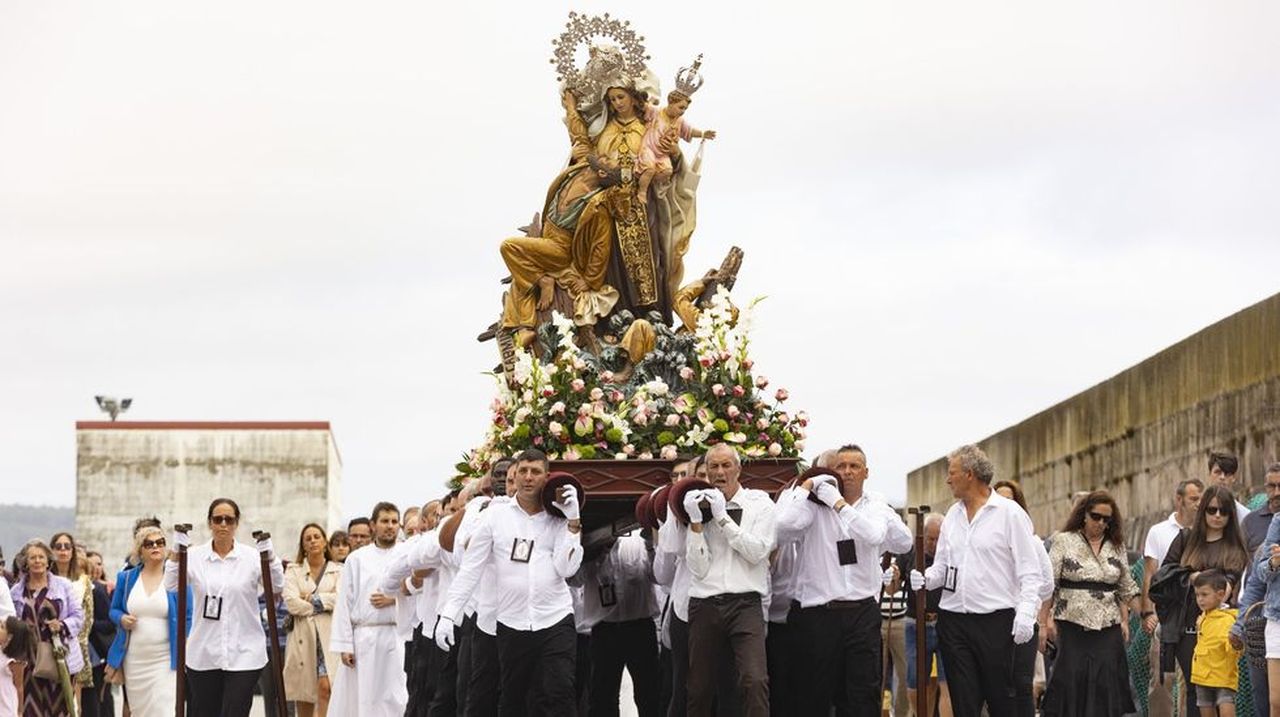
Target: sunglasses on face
column 1215, row 510
column 1100, row 518
column 223, row 520
column 157, row 543
column 62, row 546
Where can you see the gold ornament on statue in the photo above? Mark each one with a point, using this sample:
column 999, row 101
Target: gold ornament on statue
column 626, row 59
column 688, row 80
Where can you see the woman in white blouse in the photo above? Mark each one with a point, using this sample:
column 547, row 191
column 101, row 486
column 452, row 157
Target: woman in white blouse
column 227, row 647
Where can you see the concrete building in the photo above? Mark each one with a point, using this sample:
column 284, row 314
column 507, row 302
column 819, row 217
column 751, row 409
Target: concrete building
column 1140, row 432
column 282, row 475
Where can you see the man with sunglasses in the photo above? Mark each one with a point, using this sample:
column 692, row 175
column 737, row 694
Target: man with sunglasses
column 1186, row 501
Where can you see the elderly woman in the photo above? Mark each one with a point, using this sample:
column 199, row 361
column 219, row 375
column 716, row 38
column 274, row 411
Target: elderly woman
column 1088, row 616
column 146, row 645
column 310, row 592
column 46, row 602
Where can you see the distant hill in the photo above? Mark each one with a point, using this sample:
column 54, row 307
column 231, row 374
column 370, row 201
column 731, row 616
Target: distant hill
column 20, row 523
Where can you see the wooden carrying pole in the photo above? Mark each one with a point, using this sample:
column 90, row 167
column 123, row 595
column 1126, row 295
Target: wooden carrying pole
column 273, row 629
column 180, row 708
column 922, row 596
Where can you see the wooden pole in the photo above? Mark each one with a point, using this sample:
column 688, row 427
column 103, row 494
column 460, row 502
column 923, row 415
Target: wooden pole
column 922, row 596
column 273, row 629
column 886, row 661
column 180, row 708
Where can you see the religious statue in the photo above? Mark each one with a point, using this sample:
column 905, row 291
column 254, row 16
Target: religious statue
column 615, row 223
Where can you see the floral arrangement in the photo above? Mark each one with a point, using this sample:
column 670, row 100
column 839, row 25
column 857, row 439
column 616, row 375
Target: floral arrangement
column 688, row 393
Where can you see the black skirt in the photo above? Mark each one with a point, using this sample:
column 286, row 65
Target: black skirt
column 1091, row 675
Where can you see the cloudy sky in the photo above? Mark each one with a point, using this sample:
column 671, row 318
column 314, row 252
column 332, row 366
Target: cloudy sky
column 961, row 213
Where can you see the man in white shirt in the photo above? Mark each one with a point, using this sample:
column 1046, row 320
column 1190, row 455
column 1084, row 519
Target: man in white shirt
column 988, row 565
column 532, row 553
column 729, row 581
column 478, row 669
column 419, row 588
column 838, row 583
column 671, row 570
column 370, row 681
column 1186, row 501
column 620, row 603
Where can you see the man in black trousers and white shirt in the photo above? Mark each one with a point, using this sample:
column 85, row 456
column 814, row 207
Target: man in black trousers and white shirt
column 532, row 553
column 988, row 565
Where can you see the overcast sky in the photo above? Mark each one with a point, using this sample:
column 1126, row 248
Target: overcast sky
column 961, row 213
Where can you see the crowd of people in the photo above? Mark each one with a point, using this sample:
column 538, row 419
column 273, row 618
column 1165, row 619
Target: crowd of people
column 488, row 601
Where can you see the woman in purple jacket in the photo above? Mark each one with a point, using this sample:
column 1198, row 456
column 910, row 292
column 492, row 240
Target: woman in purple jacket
column 47, row 604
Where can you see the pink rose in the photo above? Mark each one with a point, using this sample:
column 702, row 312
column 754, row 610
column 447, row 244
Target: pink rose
column 629, row 449
column 669, row 452
column 686, row 373
column 739, row 391
column 577, row 384
column 597, row 393
column 607, row 377
column 673, row 420
column 706, row 361
column 548, row 392
column 556, row 408
column 781, row 395
column 537, row 440
column 717, row 389
column 641, row 419
column 733, row 411
column 762, row 424
column 775, row 449
column 748, row 363
column 761, row 382
column 616, row 396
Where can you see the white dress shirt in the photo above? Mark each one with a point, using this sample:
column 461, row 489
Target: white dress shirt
column 996, row 560
column 236, row 640
column 1160, row 536
column 485, row 603
column 869, row 522
column 627, row 571
column 6, row 600
column 531, row 595
column 670, row 568
column 727, row 558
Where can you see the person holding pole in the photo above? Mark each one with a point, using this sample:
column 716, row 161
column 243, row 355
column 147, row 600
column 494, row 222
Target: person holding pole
column 838, row 583
column 227, row 646
column 927, row 622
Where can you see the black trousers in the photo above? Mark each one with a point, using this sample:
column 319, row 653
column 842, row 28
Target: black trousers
column 1024, row 675
column 842, row 658
column 97, row 700
column 463, row 648
column 444, row 703
column 728, row 630
column 485, row 684
column 978, row 652
column 632, row 645
column 221, row 693
column 421, row 680
column 782, row 657
column 1186, row 648
column 538, row 670
column 679, row 705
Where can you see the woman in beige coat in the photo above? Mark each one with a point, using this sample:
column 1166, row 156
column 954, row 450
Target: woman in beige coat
column 310, row 591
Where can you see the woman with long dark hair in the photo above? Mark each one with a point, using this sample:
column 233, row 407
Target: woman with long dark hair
column 1214, row 540
column 69, row 563
column 1088, row 615
column 227, row 648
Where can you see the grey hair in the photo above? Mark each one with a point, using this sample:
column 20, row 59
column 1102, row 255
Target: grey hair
column 737, row 461
column 1273, row 468
column 974, row 460
column 824, row 459
column 933, row 519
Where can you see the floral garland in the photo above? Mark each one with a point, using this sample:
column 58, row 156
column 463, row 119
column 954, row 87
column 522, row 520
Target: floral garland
column 682, row 398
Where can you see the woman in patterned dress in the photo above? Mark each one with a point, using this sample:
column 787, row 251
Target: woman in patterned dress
column 1088, row 616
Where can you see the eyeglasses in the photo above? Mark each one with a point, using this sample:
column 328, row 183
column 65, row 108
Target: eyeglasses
column 1099, row 517
column 223, row 520
column 62, row 546
column 1272, row 486
column 157, row 543
column 1215, row 510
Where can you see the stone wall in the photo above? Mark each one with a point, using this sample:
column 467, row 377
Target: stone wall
column 1140, row 432
column 282, row 475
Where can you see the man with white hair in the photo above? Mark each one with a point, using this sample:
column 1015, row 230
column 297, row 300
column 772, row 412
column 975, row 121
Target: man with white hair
column 988, row 565
column 728, row 559
column 838, row 582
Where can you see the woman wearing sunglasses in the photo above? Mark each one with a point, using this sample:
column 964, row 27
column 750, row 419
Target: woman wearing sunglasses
column 1213, row 541
column 228, row 645
column 145, row 650
column 1088, row 616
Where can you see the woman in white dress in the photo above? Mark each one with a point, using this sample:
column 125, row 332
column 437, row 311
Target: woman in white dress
column 146, row 645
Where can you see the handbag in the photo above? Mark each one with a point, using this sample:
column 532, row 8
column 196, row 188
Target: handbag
column 46, row 667
column 1255, row 636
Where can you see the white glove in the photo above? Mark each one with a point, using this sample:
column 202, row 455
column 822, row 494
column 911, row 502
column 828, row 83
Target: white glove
column 887, row 576
column 569, row 506
column 917, row 580
column 718, row 509
column 264, row 546
column 821, row 479
column 828, row 493
column 691, row 506
column 1023, row 628
column 181, row 539
column 444, row 633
